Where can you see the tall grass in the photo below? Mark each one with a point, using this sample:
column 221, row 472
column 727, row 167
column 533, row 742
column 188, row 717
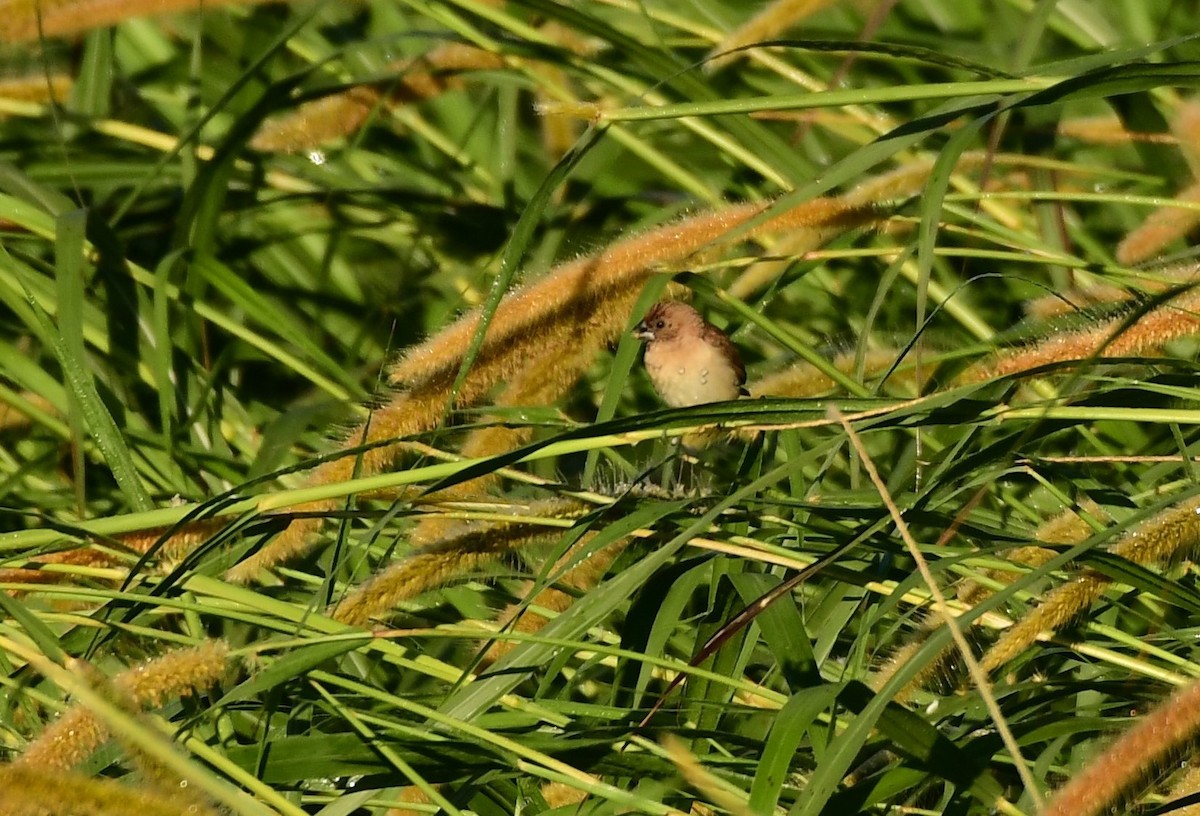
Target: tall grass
column 332, row 483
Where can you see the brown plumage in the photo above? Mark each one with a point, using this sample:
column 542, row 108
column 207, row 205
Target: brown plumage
column 689, row 360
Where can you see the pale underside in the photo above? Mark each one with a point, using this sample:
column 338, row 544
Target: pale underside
column 690, row 373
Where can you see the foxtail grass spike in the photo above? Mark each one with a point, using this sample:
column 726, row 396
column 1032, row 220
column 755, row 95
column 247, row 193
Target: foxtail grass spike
column 1185, row 789
column 1172, row 320
column 403, row 416
column 39, row 791
column 806, row 380
column 582, row 577
column 75, row 735
column 413, row 801
column 169, row 545
column 542, row 382
column 769, row 23
column 1107, row 130
column 1100, row 294
column 38, row 87
column 316, row 123
column 582, row 286
column 1185, row 126
column 1074, row 300
column 473, row 547
column 1172, row 534
column 589, row 297
column 1069, row 527
column 36, row 575
column 1163, row 227
column 560, row 794
column 27, row 20
column 1131, row 758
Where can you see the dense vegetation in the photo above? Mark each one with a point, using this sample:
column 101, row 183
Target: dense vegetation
column 332, row 484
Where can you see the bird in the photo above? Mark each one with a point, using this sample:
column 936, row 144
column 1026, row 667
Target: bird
column 690, row 361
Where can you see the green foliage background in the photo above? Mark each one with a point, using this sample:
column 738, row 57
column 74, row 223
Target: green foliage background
column 201, row 318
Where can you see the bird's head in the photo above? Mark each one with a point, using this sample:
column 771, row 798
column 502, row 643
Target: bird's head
column 666, row 320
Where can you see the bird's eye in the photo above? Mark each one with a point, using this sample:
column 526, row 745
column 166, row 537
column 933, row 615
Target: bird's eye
column 660, row 324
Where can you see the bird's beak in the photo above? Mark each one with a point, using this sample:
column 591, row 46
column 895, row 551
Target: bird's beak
column 642, row 332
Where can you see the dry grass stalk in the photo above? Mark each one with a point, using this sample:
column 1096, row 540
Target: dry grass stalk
column 471, row 547
column 28, row 20
column 1130, row 759
column 1171, row 534
column 315, row 123
column 38, row 791
column 978, row 677
column 590, row 297
column 75, row 735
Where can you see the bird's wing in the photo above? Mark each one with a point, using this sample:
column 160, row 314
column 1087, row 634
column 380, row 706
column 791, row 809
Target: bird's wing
column 720, row 341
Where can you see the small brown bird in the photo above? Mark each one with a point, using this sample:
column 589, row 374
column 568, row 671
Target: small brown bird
column 689, row 360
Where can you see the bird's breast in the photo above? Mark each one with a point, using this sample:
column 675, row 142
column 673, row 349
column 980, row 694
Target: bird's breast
column 690, row 373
